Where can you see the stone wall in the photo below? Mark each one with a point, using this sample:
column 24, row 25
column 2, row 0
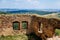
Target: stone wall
column 48, row 25
column 6, row 23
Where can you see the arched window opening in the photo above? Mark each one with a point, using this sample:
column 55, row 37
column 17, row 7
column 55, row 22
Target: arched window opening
column 16, row 25
column 24, row 24
column 40, row 27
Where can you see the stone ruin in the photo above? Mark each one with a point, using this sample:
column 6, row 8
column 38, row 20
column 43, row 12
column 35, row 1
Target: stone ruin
column 42, row 26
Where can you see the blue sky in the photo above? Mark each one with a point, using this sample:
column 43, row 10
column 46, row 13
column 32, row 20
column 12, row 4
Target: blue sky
column 30, row 4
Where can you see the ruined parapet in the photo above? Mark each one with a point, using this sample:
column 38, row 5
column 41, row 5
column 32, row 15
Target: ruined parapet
column 42, row 25
column 49, row 25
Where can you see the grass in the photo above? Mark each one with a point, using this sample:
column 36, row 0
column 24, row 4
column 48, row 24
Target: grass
column 19, row 37
column 15, row 37
column 57, row 31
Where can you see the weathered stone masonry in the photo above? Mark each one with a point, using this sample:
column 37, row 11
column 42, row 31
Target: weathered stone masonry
column 6, row 23
column 49, row 26
column 41, row 26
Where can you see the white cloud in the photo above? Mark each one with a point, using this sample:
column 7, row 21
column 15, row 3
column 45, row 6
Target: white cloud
column 29, row 0
column 33, row 2
column 17, row 0
column 36, row 3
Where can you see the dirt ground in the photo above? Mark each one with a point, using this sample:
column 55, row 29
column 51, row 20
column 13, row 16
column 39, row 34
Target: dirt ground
column 54, row 38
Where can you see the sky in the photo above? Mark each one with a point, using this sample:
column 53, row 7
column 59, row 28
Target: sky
column 30, row 4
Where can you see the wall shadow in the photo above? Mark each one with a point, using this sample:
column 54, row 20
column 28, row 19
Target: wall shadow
column 33, row 36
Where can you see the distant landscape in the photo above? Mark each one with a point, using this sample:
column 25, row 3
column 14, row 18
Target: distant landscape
column 31, row 11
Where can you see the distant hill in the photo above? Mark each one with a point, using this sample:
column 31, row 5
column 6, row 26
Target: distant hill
column 41, row 12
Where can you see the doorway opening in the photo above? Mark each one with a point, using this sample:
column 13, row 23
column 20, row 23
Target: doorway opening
column 40, row 27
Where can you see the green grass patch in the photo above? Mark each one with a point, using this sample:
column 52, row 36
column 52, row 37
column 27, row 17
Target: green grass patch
column 15, row 37
column 57, row 31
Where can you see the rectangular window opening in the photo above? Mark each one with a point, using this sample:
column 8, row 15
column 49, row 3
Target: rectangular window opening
column 16, row 25
column 25, row 25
